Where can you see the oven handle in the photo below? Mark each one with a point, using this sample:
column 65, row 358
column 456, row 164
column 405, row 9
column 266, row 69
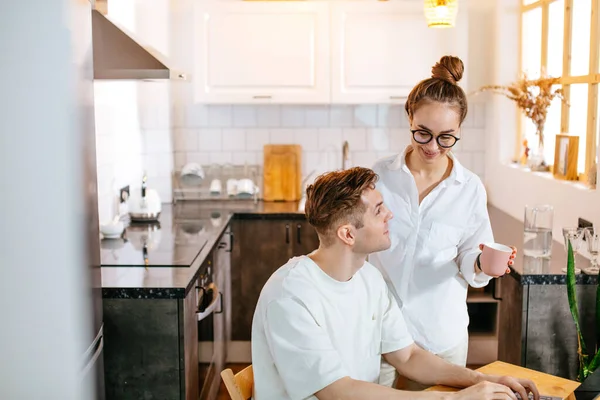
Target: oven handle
column 211, row 307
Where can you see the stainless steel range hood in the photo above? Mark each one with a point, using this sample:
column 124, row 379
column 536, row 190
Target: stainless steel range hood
column 117, row 55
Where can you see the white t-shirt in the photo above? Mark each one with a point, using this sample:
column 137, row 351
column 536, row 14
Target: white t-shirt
column 309, row 330
column 434, row 246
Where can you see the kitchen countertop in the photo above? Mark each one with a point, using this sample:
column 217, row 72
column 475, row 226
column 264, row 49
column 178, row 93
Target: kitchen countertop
column 187, row 232
column 531, row 271
column 175, row 247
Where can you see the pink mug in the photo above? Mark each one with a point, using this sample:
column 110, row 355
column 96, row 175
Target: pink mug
column 494, row 258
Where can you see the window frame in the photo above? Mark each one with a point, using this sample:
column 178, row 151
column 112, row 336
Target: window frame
column 591, row 79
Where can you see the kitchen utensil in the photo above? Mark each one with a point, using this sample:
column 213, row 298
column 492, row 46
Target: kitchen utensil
column 144, row 205
column 537, row 235
column 112, row 230
column 192, row 174
column 215, row 187
column 232, row 187
column 246, row 187
column 282, row 172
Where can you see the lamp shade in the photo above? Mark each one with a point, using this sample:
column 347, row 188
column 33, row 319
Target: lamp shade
column 441, row 13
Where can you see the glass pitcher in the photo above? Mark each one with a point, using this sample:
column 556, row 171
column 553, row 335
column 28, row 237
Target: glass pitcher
column 537, row 235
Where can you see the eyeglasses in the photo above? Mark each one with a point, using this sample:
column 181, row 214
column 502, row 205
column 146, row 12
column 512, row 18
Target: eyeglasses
column 444, row 140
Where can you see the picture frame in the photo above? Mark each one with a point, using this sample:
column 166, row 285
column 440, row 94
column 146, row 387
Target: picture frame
column 566, row 151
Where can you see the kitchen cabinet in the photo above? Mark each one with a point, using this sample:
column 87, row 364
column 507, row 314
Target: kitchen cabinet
column 380, row 50
column 261, row 52
column 260, row 247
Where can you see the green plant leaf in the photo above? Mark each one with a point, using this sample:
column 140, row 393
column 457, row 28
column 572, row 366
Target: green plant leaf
column 572, row 296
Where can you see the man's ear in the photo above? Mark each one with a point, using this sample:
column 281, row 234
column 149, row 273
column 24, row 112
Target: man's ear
column 347, row 234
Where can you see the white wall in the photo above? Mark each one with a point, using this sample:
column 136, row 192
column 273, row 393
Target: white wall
column 509, row 188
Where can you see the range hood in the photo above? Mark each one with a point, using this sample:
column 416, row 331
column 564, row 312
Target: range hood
column 117, row 55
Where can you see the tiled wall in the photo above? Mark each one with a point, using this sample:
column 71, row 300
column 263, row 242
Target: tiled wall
column 133, row 137
column 139, row 130
column 236, row 134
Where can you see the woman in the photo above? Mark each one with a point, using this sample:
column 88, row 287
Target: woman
column 440, row 218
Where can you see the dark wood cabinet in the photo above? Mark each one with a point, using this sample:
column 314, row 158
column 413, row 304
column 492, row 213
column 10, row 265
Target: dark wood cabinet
column 510, row 319
column 305, row 238
column 260, row 247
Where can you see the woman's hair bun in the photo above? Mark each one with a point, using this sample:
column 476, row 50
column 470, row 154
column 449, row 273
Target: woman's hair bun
column 449, row 68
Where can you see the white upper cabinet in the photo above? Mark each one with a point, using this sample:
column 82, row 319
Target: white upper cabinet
column 380, row 50
column 261, row 52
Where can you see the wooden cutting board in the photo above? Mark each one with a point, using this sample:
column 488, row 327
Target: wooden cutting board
column 548, row 385
column 282, row 172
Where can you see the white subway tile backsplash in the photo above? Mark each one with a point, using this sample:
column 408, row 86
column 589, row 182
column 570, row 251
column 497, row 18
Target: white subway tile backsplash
column 268, row 116
column 312, row 161
column 317, row 116
column 404, row 122
column 341, row 116
column 155, row 116
column 220, row 116
column 246, row 157
column 389, row 116
column 281, row 136
column 202, row 158
column 234, row 139
column 256, row 139
column 244, row 116
column 157, row 141
column 185, row 140
column 195, row 116
column 330, row 138
column 307, row 138
column 106, row 204
column 399, row 139
column 363, row 159
column 208, row 134
column 105, row 180
column 356, row 137
column 378, row 139
column 292, row 116
column 163, row 186
column 221, row 157
column 180, row 159
column 365, row 116
column 164, row 164
column 209, row 140
column 106, row 150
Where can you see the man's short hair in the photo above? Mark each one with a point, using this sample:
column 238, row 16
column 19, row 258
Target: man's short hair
column 335, row 199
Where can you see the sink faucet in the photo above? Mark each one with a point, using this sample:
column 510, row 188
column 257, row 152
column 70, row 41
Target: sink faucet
column 345, row 155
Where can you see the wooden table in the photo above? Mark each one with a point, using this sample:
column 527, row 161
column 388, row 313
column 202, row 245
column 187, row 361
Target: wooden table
column 548, row 385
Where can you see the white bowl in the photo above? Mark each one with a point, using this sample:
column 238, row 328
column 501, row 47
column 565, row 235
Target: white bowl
column 112, row 230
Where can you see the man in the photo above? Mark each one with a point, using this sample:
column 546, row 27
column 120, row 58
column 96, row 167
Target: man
column 323, row 321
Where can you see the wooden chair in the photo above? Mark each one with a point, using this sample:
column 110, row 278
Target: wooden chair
column 239, row 386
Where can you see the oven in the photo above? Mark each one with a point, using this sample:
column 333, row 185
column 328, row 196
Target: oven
column 211, row 330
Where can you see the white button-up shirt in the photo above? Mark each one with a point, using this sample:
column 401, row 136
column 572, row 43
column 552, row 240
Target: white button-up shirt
column 434, row 246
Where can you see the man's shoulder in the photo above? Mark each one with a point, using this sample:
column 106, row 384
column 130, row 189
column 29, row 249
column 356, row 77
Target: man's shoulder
column 288, row 281
column 372, row 275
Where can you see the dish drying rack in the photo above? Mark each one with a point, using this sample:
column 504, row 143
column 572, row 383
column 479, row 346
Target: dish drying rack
column 183, row 191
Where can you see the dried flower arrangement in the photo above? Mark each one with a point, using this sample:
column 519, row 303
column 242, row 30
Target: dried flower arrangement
column 533, row 97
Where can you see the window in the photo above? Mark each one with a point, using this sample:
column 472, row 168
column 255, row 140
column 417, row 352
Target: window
column 560, row 37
